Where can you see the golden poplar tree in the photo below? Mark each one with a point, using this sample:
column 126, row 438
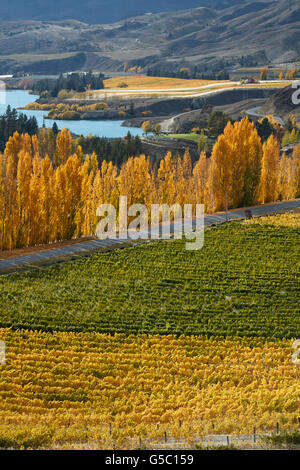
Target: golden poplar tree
column 179, row 180
column 35, row 209
column 269, row 181
column 224, row 182
column 63, row 147
column 296, row 158
column 200, row 177
column 84, row 217
column 11, row 214
column 97, row 197
column 250, row 147
column 187, row 171
column 47, row 143
column 23, row 200
column 236, row 166
column 13, row 148
column 46, row 190
column 109, row 175
column 26, row 144
column 2, row 206
column 127, row 180
column 287, row 186
column 166, row 183
column 36, row 145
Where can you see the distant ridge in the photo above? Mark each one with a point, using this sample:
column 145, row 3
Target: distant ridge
column 247, row 33
column 97, row 11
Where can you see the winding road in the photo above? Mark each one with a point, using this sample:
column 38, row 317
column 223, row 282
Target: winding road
column 254, row 112
column 167, row 125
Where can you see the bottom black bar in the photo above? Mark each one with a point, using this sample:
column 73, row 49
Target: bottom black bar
column 142, row 459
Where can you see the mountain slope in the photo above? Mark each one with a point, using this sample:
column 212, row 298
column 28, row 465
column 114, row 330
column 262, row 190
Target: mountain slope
column 263, row 30
column 97, row 11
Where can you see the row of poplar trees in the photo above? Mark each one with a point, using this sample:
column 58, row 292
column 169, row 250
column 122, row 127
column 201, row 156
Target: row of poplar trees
column 51, row 196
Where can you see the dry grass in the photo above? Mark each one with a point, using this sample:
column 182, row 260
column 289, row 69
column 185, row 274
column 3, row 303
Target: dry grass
column 154, row 83
column 127, row 93
column 156, row 87
column 269, row 85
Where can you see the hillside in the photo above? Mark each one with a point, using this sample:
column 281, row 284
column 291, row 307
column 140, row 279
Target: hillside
column 281, row 104
column 170, row 40
column 97, row 11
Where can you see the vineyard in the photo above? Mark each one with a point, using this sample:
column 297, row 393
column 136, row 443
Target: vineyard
column 93, row 390
column 155, row 345
column 278, row 220
column 243, row 282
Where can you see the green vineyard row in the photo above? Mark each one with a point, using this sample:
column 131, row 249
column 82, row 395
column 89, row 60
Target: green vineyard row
column 245, row 282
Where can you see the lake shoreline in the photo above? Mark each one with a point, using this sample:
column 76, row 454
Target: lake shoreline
column 109, row 128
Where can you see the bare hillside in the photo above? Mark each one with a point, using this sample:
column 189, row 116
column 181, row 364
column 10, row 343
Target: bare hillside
column 263, row 31
column 281, row 103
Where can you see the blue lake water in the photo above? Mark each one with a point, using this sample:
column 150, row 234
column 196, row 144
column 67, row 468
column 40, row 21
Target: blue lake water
column 19, row 98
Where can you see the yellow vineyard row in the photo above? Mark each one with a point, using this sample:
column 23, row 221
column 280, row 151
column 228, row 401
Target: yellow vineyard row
column 94, row 389
column 279, row 220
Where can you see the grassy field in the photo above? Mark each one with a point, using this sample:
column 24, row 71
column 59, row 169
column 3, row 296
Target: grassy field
column 192, row 136
column 243, row 282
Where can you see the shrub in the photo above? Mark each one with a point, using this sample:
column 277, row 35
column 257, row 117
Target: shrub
column 63, row 94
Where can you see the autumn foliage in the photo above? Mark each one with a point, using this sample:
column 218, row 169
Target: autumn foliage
column 50, row 191
column 91, row 391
